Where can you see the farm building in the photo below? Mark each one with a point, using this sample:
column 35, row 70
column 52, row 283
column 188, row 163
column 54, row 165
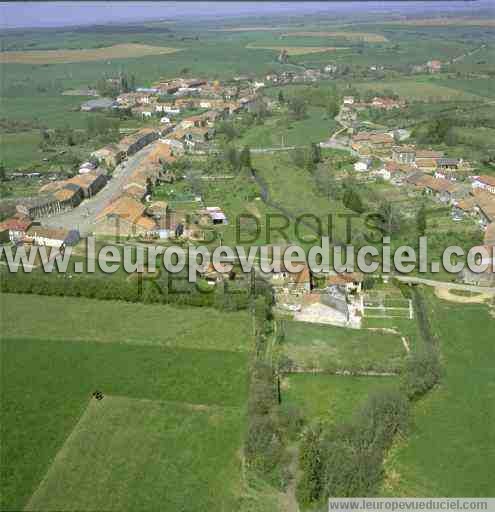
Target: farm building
column 214, row 214
column 133, row 143
column 323, row 308
column 426, row 159
column 111, row 155
column 485, row 183
column 386, row 103
column 404, row 154
column 84, row 185
column 52, row 237
column 16, row 228
column 348, row 282
column 125, row 217
column 444, row 190
column 363, row 165
column 90, row 183
column 98, row 104
column 292, row 282
column 50, row 203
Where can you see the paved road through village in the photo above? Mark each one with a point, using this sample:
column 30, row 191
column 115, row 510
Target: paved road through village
column 83, row 216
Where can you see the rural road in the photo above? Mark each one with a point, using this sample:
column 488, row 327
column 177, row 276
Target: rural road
column 445, row 285
column 83, row 216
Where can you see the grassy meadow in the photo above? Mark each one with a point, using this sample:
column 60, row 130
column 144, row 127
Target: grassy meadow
column 453, row 423
column 157, row 325
column 338, row 348
column 48, row 379
column 161, row 454
column 330, row 398
column 315, row 127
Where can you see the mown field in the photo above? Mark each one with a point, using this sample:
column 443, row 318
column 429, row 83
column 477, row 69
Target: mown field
column 158, row 325
column 160, row 453
column 336, row 348
column 453, row 424
column 330, row 398
column 137, row 440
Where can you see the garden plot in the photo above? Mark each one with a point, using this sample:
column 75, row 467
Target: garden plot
column 381, row 304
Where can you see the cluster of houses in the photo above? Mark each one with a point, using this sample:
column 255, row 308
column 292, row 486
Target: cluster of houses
column 328, row 298
column 450, row 180
column 432, row 66
column 21, row 229
column 308, row 75
column 127, row 214
column 169, row 98
column 378, row 102
column 351, row 106
column 54, row 198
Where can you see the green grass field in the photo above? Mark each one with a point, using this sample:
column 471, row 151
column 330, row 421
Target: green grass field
column 161, row 455
column 422, row 89
column 316, row 127
column 158, row 325
column 451, row 451
column 10, row 143
column 296, row 190
column 48, row 379
column 337, row 348
column 331, row 398
column 480, row 87
column 53, row 111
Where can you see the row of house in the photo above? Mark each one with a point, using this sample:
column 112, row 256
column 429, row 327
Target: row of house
column 442, row 189
column 378, row 102
column 20, row 229
column 127, row 215
column 383, row 145
column 112, row 154
column 60, row 196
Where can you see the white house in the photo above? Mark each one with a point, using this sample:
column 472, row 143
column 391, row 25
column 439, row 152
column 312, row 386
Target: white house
column 348, row 100
column 52, row 237
column 383, row 173
column 330, row 68
column 363, row 165
column 171, row 110
column 165, row 120
column 86, row 167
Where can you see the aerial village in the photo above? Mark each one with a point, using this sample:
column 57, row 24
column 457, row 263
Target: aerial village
column 111, row 196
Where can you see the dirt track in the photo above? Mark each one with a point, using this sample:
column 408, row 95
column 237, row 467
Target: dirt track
column 446, row 294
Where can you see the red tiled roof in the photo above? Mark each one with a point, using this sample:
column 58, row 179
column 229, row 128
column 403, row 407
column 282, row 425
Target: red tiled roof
column 344, row 278
column 487, row 180
column 15, row 224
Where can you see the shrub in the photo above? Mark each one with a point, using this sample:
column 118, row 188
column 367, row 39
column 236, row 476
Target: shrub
column 422, row 372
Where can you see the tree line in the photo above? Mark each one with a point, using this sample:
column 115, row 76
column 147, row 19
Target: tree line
column 346, row 459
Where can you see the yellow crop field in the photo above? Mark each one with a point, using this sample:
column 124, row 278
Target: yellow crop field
column 118, row 51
